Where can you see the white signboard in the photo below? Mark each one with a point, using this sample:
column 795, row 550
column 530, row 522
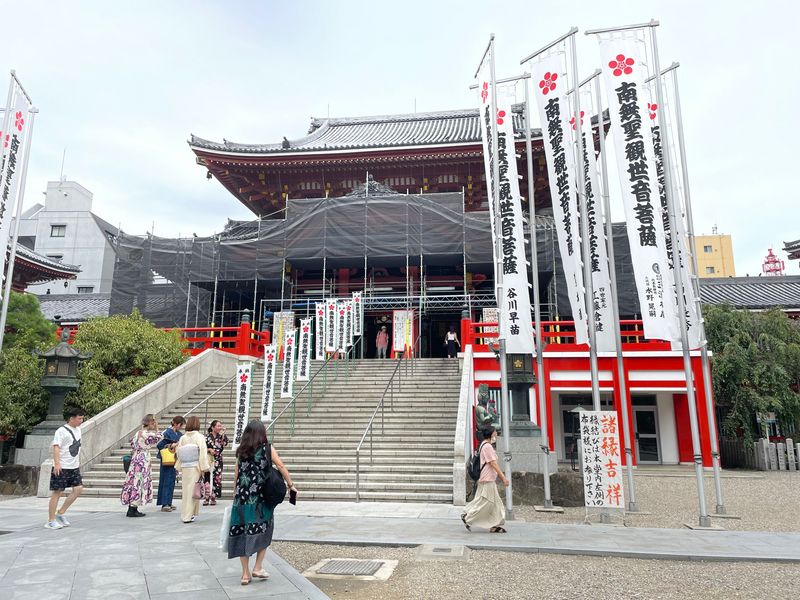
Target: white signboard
column 287, row 377
column 281, row 323
column 402, row 327
column 304, row 351
column 330, row 324
column 267, row 393
column 244, row 376
column 348, row 327
column 341, row 326
column 319, row 330
column 358, row 314
column 602, row 465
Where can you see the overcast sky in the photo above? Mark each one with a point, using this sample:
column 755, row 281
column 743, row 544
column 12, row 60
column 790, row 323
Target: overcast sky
column 122, row 85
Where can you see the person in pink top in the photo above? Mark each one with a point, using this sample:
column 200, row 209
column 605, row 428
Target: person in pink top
column 486, row 509
column 382, row 342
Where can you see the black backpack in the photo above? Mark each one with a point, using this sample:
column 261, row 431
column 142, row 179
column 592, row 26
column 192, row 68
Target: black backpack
column 474, row 465
column 273, row 488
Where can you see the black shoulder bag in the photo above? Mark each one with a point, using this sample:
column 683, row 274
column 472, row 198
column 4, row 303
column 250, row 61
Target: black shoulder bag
column 273, row 488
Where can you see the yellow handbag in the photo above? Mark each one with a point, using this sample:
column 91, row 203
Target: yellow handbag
column 167, row 457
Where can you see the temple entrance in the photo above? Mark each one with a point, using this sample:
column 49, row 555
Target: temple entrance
column 438, row 325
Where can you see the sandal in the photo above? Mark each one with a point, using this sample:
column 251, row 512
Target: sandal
column 213, row 502
column 497, row 530
column 205, row 502
column 245, row 580
column 464, row 520
column 262, row 574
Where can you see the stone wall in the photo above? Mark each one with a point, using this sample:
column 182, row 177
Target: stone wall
column 18, row 480
column 566, row 488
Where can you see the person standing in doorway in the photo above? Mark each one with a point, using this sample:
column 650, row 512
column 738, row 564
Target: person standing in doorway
column 382, row 342
column 66, row 472
column 451, row 341
column 486, row 509
column 167, row 473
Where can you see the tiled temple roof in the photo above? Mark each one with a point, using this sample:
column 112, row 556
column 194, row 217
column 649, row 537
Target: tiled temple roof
column 74, row 307
column 792, row 249
column 752, row 292
column 450, row 127
column 27, row 254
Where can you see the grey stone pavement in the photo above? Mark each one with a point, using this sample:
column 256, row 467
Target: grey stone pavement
column 103, row 555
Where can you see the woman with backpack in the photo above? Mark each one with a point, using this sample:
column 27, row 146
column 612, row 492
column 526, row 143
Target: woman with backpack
column 486, row 509
column 252, row 519
column 191, row 459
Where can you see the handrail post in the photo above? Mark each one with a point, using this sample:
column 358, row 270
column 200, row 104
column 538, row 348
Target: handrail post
column 358, row 473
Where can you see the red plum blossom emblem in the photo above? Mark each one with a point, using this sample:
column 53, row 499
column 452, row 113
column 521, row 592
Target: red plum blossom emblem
column 270, row 356
column 306, row 329
column 652, row 108
column 18, row 120
column 572, row 120
column 548, row 84
column 243, row 378
column 484, row 92
column 621, row 65
column 501, row 117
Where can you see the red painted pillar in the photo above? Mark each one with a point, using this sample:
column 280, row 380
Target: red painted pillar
column 343, row 281
column 683, row 428
column 618, row 404
column 243, row 337
column 702, row 415
column 466, row 331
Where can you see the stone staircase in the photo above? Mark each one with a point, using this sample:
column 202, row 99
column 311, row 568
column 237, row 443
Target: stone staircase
column 412, row 460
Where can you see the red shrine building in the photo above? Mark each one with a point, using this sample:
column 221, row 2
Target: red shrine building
column 438, row 156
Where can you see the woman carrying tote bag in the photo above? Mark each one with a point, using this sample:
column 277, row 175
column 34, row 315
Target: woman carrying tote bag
column 192, row 461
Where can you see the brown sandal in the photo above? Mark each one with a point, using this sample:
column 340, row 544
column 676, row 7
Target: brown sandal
column 497, row 530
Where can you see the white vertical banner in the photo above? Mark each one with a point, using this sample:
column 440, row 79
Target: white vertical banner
column 13, row 141
column 515, row 304
column 486, row 109
column 348, row 326
column 304, row 351
column 267, row 390
column 287, row 377
column 319, row 330
column 402, row 321
column 548, row 76
column 358, row 314
column 341, row 326
column 244, row 382
column 624, row 72
column 330, row 324
column 602, row 467
column 598, row 252
column 660, row 117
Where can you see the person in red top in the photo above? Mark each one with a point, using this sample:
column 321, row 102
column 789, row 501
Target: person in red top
column 382, row 342
column 486, row 509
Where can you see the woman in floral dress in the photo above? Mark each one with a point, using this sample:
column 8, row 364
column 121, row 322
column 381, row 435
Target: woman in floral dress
column 138, row 487
column 216, row 440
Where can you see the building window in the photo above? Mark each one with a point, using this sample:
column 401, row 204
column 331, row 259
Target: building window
column 58, row 230
column 707, row 249
column 85, row 289
column 55, row 257
column 710, row 270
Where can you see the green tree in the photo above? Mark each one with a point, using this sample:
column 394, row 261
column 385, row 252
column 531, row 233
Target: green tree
column 23, row 402
column 755, row 365
column 128, row 352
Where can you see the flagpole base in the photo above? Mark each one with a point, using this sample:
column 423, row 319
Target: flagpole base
column 720, row 510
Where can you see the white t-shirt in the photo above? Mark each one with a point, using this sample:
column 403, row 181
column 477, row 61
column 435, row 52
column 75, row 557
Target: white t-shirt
column 64, row 440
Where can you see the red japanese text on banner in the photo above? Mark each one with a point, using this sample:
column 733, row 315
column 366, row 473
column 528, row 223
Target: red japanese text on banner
column 548, row 77
column 319, row 330
column 624, row 72
column 602, row 465
column 244, row 377
column 348, row 323
column 304, row 351
column 331, row 315
column 341, row 326
column 358, row 314
column 267, row 390
column 289, row 353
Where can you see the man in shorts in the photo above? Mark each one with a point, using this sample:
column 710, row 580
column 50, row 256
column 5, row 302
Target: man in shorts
column 66, row 468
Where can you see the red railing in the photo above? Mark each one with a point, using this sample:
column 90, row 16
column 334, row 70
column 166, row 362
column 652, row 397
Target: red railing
column 561, row 333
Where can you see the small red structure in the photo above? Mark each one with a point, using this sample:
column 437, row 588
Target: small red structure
column 772, row 265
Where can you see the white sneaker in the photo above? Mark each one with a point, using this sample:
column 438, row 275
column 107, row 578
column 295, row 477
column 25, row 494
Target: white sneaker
column 53, row 525
column 62, row 520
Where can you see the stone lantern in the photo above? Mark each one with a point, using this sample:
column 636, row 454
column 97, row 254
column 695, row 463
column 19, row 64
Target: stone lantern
column 60, row 378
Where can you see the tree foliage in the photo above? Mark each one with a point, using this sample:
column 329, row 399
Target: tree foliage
column 755, row 365
column 23, row 402
column 128, row 352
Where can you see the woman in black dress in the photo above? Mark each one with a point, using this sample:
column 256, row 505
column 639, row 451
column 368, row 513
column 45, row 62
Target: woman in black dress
column 252, row 520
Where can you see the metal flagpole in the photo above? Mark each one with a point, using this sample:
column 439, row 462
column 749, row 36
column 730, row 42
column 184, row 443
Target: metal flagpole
column 712, row 429
column 188, row 299
column 20, row 198
column 537, row 313
column 623, row 386
column 705, row 520
column 586, row 252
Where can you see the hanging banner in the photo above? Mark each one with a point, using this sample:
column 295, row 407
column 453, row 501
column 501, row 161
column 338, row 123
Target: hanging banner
column 348, row 327
column 244, row 377
column 598, row 252
column 662, row 118
column 13, row 141
column 602, row 467
column 514, row 299
column 287, row 377
column 319, row 331
column 624, row 72
column 548, row 75
column 282, row 322
column 358, row 314
column 304, row 351
column 267, row 391
column 402, row 326
column 330, row 325
column 341, row 326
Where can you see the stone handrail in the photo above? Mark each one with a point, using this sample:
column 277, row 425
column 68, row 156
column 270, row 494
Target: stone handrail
column 462, row 444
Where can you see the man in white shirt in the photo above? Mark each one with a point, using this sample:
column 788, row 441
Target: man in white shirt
column 66, row 468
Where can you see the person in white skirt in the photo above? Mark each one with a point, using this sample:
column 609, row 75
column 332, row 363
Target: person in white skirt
column 486, row 509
